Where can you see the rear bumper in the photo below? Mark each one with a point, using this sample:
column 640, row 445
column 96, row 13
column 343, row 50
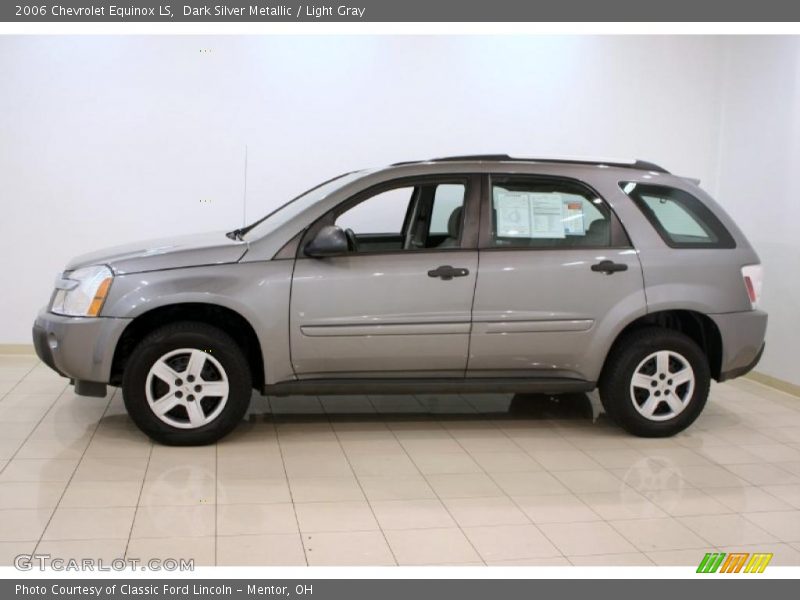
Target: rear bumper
column 81, row 348
column 742, row 341
column 743, row 370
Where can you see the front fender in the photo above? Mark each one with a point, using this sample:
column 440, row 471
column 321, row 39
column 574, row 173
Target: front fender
column 259, row 292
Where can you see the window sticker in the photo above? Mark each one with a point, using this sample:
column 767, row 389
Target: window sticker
column 547, row 215
column 513, row 214
column 574, row 222
column 530, row 215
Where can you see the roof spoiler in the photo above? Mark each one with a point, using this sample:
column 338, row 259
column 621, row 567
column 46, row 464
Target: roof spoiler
column 693, row 180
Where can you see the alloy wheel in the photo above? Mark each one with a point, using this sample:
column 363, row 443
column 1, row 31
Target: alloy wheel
column 662, row 385
column 187, row 388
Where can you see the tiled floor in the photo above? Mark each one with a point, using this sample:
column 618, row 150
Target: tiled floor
column 389, row 480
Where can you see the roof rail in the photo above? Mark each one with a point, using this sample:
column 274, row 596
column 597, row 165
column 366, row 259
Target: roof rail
column 641, row 165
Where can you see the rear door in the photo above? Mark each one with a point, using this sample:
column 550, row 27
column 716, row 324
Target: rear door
column 557, row 277
column 397, row 305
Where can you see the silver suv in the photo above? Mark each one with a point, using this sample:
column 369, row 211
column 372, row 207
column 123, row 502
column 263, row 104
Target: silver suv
column 461, row 274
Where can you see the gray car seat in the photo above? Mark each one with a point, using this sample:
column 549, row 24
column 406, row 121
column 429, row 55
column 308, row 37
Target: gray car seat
column 453, row 239
column 597, row 234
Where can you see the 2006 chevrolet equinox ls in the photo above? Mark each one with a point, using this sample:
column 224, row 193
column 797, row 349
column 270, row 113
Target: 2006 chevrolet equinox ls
column 485, row 273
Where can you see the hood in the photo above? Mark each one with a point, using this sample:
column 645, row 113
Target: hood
column 167, row 253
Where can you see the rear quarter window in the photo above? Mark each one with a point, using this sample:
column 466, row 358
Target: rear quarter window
column 680, row 218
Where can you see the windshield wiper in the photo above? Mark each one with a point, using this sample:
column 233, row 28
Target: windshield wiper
column 237, row 234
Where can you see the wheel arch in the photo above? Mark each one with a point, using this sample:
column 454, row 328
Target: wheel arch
column 212, row 314
column 696, row 325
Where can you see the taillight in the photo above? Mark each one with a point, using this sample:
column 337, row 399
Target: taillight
column 753, row 278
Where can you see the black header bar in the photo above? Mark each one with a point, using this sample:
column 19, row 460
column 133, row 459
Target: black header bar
column 50, row 11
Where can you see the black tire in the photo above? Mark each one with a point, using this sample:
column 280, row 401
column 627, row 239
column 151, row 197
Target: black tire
column 191, row 335
column 620, row 367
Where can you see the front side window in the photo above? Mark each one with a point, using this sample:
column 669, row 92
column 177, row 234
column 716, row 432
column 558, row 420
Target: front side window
column 447, row 199
column 547, row 214
column 382, row 214
column 415, row 216
column 681, row 220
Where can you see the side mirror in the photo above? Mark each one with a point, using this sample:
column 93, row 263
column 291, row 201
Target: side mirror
column 329, row 241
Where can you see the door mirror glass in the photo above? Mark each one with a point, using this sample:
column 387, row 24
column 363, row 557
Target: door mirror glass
column 329, row 241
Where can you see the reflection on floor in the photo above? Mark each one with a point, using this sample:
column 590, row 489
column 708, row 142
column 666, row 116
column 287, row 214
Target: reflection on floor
column 383, row 480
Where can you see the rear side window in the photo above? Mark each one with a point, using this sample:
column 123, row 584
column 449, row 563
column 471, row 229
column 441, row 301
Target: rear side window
column 530, row 213
column 681, row 220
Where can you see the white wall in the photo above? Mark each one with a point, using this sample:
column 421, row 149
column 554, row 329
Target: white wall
column 757, row 178
column 112, row 139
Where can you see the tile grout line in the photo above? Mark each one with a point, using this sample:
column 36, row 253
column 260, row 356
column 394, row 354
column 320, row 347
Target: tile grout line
column 438, row 497
column 509, row 496
column 75, row 470
column 358, row 481
column 139, row 497
column 607, row 470
column 632, row 543
column 216, row 502
column 16, row 383
column 39, row 422
column 623, row 483
column 577, row 496
column 546, row 470
column 274, row 422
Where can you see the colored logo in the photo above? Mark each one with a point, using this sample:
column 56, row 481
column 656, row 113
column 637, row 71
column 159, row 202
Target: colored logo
column 735, row 562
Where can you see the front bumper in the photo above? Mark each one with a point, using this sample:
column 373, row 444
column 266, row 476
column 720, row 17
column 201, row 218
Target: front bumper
column 81, row 348
column 742, row 341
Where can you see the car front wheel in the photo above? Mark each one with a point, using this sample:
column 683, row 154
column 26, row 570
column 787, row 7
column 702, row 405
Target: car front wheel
column 655, row 382
column 187, row 384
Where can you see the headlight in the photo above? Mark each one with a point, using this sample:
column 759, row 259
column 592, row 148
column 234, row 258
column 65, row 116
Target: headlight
column 82, row 292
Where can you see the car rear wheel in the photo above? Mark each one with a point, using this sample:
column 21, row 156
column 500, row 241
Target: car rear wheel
column 187, row 384
column 655, row 382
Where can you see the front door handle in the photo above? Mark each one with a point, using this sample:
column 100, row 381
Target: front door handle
column 608, row 267
column 446, row 272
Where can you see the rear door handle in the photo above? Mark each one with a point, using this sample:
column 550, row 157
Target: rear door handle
column 446, row 272
column 608, row 267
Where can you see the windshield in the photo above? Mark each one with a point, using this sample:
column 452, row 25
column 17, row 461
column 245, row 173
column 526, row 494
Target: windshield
column 295, row 206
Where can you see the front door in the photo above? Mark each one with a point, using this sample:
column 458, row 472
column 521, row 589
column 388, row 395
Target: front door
column 398, row 303
column 557, row 277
